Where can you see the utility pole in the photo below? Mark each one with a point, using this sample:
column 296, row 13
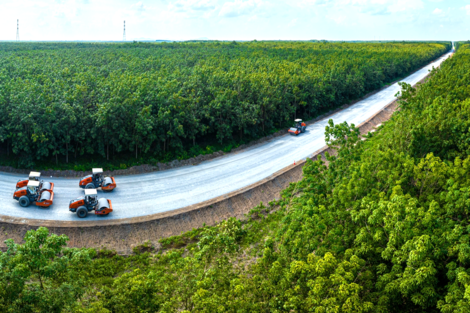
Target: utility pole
column 17, row 30
column 124, row 34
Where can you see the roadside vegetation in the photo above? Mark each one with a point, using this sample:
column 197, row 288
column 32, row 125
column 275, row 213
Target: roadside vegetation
column 79, row 105
column 383, row 228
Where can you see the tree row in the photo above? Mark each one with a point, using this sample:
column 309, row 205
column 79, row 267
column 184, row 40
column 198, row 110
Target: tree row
column 65, row 100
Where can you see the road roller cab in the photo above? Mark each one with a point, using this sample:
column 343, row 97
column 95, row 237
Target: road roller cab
column 32, row 193
column 35, row 176
column 90, row 202
column 298, row 128
column 98, row 180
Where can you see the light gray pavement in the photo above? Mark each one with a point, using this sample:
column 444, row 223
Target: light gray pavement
column 145, row 194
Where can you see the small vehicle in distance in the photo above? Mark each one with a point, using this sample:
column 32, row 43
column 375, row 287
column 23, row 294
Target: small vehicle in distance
column 32, row 193
column 35, row 176
column 299, row 127
column 98, row 180
column 90, row 202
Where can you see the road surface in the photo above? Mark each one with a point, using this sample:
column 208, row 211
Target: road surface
column 140, row 195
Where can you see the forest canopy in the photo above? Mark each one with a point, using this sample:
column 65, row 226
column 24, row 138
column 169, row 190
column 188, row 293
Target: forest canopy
column 60, row 101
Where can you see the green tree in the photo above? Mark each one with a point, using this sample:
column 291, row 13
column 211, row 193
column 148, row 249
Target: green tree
column 41, row 274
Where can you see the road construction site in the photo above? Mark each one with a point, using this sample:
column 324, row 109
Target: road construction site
column 151, row 206
column 154, row 194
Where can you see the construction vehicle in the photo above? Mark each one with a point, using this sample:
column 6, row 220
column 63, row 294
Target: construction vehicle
column 90, row 202
column 35, row 176
column 299, row 127
column 97, row 180
column 31, row 193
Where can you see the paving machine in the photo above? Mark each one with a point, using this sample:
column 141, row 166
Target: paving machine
column 31, row 193
column 90, row 202
column 299, row 127
column 35, row 176
column 98, row 180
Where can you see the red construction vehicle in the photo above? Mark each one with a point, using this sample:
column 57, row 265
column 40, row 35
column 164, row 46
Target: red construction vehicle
column 32, row 193
column 299, row 127
column 35, row 176
column 97, row 180
column 90, row 202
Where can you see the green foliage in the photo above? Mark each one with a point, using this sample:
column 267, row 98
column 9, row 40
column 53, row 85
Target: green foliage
column 145, row 102
column 181, row 240
column 42, row 275
column 145, row 247
column 221, row 239
column 381, row 225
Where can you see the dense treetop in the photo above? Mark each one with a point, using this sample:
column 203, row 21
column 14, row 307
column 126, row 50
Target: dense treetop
column 61, row 99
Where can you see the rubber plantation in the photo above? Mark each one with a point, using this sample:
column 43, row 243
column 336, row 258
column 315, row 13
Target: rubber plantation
column 383, row 226
column 63, row 103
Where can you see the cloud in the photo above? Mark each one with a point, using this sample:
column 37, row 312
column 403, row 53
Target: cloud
column 193, row 8
column 370, row 7
column 67, row 9
column 192, row 5
column 467, row 7
column 239, row 8
column 437, row 11
column 405, row 5
column 316, row 2
column 375, row 10
column 133, row 13
column 292, row 22
column 338, row 18
column 139, row 7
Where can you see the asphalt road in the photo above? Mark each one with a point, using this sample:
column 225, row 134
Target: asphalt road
column 145, row 194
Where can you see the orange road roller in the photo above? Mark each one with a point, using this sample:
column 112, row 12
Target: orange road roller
column 90, row 202
column 98, row 180
column 299, row 127
column 31, row 193
column 35, row 176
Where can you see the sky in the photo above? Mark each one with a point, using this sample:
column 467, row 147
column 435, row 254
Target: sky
column 236, row 19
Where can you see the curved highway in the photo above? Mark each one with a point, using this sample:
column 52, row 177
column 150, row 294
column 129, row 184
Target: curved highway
column 157, row 192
